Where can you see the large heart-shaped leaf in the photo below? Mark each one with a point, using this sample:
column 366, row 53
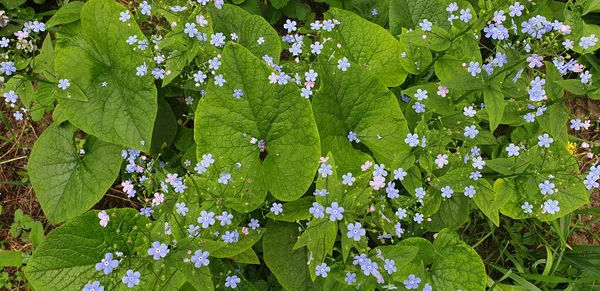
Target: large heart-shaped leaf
column 93, row 54
column 457, row 265
column 275, row 114
column 66, row 259
column 368, row 45
column 355, row 100
column 249, row 28
column 65, row 183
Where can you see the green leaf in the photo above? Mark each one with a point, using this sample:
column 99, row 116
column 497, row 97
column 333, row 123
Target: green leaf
column 220, row 249
column 294, row 210
column 247, row 257
column 426, row 251
column 369, row 45
column 457, row 265
column 319, row 238
column 436, row 40
column 287, row 264
column 248, row 27
column 37, row 234
column 417, row 58
column 10, row 259
column 554, row 121
column 489, row 200
column 278, row 4
column 94, row 51
column 66, row 14
column 356, row 101
column 573, row 85
column 65, row 183
column 273, row 113
column 66, row 259
column 165, row 127
column 494, row 105
column 408, row 13
column 453, row 213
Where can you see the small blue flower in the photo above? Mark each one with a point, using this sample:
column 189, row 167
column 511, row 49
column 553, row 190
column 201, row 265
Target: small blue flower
column 207, row 219
column 545, row 140
column 232, row 281
column 181, row 208
column 200, row 258
column 335, row 211
column 527, row 208
column 550, row 206
column 322, row 270
column 95, row 286
column 238, row 93
column 277, row 208
column 131, row 278
column 254, row 224
column 343, row 64
column 230, row 236
column 225, row 218
column 355, row 231
column 146, row 211
column 412, row 282
column 348, row 179
column 317, row 210
column 7, row 68
column 224, row 178
column 425, row 25
column 325, row 170
column 107, row 264
column 546, row 187
column 158, row 250
column 350, row 278
column 412, row 140
column 390, row 266
column 63, row 84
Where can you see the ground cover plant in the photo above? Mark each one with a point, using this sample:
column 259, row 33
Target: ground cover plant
column 299, row 145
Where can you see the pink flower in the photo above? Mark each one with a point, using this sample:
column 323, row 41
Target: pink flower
column 442, row 91
column 366, row 165
column 104, row 218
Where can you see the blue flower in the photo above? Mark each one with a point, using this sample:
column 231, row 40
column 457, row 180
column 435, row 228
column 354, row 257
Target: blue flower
column 322, row 192
column 217, row 39
column 200, row 258
column 95, row 286
column 419, row 107
column 7, row 68
column 317, row 210
column 224, row 178
column 254, row 224
column 535, row 61
column 465, row 15
column 390, row 266
column 325, row 170
column 11, row 97
column 146, row 211
column 391, row 190
column 355, row 231
column 219, row 80
column 421, row 94
column 546, row 187
column 343, row 64
column 231, row 237
column 545, row 140
column 181, row 208
column 63, row 84
column 369, row 268
column 515, row 9
column 207, row 219
column 474, row 68
column 425, row 25
column 335, row 211
column 290, row 25
column 512, row 150
column 145, row 8
column 418, row 218
column 551, row 206
column 277, row 208
column 412, row 282
column 158, row 250
column 348, row 179
column 131, row 278
column 322, row 270
column 238, row 93
column 350, row 278
column 232, row 281
column 527, row 208
column 412, row 140
column 471, row 131
column 470, row 191
column 225, row 218
column 107, row 264
column 190, row 29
